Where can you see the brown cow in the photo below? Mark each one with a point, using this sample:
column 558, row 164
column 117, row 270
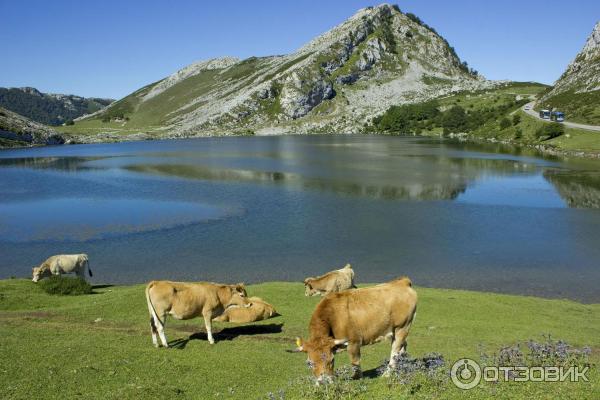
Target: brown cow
column 185, row 300
column 334, row 281
column 255, row 310
column 357, row 317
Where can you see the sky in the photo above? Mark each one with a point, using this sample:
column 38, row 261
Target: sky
column 112, row 48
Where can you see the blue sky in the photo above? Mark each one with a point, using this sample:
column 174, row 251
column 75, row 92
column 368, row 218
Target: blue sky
column 111, row 48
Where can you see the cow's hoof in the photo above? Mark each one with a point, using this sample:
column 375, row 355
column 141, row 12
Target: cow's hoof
column 387, row 373
column 356, row 373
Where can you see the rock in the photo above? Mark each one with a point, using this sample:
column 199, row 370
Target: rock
column 297, row 104
column 347, row 79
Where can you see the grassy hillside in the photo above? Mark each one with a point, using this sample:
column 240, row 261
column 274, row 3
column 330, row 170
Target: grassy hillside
column 491, row 115
column 99, row 346
column 578, row 107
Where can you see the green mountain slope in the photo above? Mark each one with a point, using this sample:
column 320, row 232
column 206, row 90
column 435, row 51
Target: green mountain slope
column 16, row 130
column 48, row 108
column 335, row 83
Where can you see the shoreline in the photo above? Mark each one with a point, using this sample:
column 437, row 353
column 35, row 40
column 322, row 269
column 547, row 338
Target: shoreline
column 543, row 149
column 102, row 284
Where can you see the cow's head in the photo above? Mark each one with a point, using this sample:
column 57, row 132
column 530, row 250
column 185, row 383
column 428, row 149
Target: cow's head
column 269, row 311
column 321, row 355
column 308, row 288
column 39, row 273
column 239, row 296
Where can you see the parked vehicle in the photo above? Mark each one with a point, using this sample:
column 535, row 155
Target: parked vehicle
column 545, row 114
column 557, row 116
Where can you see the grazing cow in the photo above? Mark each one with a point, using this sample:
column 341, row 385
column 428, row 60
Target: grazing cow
column 185, row 300
column 334, row 281
column 357, row 317
column 63, row 264
column 255, row 310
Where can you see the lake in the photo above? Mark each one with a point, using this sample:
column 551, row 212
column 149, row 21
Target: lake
column 447, row 214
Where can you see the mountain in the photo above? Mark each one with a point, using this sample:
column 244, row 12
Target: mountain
column 577, row 91
column 16, row 130
column 48, row 108
column 335, row 83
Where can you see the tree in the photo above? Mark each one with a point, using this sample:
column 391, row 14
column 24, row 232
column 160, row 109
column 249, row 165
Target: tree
column 455, row 120
column 504, row 123
column 516, row 119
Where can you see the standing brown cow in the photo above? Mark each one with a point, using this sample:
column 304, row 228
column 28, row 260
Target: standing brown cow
column 357, row 317
column 185, row 300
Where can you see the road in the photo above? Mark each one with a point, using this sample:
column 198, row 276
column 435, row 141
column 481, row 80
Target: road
column 566, row 123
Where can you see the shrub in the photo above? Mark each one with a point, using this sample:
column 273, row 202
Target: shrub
column 547, row 352
column 504, row 123
column 518, row 133
column 69, row 122
column 550, row 131
column 65, row 286
column 516, row 119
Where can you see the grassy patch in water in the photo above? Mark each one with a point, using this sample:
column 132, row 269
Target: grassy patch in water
column 64, row 285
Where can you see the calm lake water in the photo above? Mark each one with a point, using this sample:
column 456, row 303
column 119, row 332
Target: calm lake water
column 282, row 208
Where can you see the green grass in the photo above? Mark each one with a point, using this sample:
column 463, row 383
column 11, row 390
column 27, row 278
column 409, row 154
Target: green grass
column 99, row 346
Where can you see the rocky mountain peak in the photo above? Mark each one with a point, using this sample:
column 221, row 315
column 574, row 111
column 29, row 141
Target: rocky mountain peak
column 341, row 79
column 593, row 42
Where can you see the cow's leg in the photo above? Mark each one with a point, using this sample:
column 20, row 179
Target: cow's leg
column 354, row 354
column 208, row 323
column 160, row 326
column 154, row 331
column 398, row 347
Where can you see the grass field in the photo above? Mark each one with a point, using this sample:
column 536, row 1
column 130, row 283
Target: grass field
column 99, row 346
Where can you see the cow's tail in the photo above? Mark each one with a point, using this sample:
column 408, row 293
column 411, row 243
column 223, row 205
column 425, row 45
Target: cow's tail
column 87, row 262
column 153, row 315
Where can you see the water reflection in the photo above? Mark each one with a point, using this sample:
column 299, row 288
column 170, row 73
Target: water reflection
column 579, row 189
column 71, row 164
column 415, row 191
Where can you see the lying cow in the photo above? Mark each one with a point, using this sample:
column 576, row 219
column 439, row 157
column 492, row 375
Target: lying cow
column 185, row 300
column 353, row 318
column 255, row 310
column 63, row 264
column 334, row 281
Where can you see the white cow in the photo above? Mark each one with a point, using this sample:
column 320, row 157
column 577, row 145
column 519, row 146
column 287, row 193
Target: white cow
column 63, row 264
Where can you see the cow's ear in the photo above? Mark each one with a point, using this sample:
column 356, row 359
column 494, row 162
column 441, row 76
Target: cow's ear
column 339, row 345
column 299, row 346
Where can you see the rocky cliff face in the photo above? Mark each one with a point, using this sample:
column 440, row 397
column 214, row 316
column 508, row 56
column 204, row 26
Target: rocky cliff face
column 583, row 73
column 20, row 131
column 335, row 83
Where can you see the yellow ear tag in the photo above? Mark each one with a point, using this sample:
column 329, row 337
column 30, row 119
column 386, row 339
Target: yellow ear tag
column 298, row 342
